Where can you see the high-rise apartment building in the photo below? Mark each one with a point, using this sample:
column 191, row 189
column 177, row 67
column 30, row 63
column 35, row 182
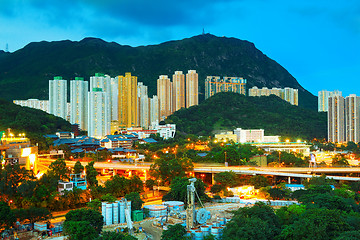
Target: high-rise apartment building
column 127, row 101
column 79, row 102
column 288, row 94
column 58, row 97
column 154, row 110
column 192, row 88
column 34, row 103
column 143, row 105
column 114, row 99
column 264, row 91
column 164, row 93
column 178, row 91
column 336, row 121
column 291, row 95
column 98, row 113
column 108, row 85
column 323, row 99
column 352, row 118
column 213, row 85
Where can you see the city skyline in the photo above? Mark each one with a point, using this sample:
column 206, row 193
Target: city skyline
column 315, row 41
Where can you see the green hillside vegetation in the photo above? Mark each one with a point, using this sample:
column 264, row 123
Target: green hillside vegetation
column 25, row 73
column 33, row 122
column 227, row 111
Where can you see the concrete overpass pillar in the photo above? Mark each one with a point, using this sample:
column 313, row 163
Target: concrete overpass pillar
column 289, row 180
column 145, row 174
column 212, row 178
column 114, row 172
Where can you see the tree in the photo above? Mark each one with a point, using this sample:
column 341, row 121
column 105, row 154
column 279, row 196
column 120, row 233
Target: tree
column 94, row 205
column 150, row 183
column 247, row 228
column 288, row 215
column 339, row 160
column 93, row 218
column 91, row 174
column 178, row 190
column 136, row 201
column 226, row 179
column 11, row 177
column 78, row 167
column 174, row 232
column 257, row 222
column 115, row 236
column 59, row 170
column 35, row 214
column 277, row 193
column 80, row 230
column 318, row 181
column 349, row 235
column 317, row 224
column 136, row 185
column 7, row 217
column 108, row 198
column 259, row 181
column 167, row 168
column 118, row 186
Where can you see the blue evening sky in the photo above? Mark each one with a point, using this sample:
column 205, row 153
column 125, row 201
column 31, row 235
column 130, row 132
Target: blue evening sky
column 317, row 41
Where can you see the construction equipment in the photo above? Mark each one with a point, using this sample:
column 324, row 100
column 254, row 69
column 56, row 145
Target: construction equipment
column 129, row 223
column 202, row 215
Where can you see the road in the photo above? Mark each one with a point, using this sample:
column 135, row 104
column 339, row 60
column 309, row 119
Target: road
column 149, row 229
column 304, row 172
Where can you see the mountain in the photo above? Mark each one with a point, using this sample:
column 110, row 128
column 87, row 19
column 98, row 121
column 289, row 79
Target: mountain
column 227, row 111
column 25, row 73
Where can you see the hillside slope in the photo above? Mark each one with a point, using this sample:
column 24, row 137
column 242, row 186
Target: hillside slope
column 35, row 123
column 25, row 73
column 227, row 111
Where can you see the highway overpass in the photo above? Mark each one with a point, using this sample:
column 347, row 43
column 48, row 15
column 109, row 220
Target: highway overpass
column 209, row 168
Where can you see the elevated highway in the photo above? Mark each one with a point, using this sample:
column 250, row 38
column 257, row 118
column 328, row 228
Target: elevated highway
column 296, row 172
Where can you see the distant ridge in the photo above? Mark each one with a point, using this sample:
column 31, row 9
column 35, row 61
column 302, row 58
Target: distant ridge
column 25, row 73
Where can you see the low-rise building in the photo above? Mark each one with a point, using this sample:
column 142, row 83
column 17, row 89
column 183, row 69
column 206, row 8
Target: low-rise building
column 226, row 137
column 116, row 141
column 165, row 131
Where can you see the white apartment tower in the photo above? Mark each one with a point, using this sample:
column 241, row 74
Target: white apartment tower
column 79, row 102
column 192, row 88
column 323, row 99
column 178, row 91
column 291, row 95
column 164, row 93
column 154, row 110
column 99, row 113
column 34, row 103
column 143, row 105
column 108, row 85
column 58, row 97
column 336, row 121
column 352, row 118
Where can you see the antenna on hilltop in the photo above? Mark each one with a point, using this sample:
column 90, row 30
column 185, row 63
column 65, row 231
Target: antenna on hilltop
column 7, row 48
column 203, row 31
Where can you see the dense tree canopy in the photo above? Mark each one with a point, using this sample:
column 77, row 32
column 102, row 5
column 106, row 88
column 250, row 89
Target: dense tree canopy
column 271, row 113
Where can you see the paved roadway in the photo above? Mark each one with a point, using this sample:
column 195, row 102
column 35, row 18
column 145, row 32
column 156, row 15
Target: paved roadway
column 215, row 168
